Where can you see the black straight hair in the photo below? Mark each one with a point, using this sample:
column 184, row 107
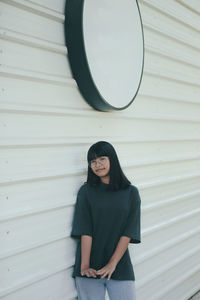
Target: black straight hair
column 118, row 180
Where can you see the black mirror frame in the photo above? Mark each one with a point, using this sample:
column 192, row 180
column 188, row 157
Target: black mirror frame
column 74, row 39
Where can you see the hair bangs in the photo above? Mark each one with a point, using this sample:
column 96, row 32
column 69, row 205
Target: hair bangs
column 96, row 151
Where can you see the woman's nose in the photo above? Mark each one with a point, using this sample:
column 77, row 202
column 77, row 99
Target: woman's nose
column 99, row 163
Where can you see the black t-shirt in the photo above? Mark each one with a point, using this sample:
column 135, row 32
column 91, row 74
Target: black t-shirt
column 106, row 216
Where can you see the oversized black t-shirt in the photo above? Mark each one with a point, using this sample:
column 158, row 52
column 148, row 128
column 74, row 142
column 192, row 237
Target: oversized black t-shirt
column 106, row 216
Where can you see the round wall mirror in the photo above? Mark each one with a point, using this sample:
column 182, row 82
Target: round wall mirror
column 105, row 45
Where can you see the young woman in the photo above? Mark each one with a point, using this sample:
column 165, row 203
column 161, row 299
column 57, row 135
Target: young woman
column 106, row 219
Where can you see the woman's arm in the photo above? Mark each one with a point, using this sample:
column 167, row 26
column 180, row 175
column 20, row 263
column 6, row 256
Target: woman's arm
column 86, row 244
column 120, row 249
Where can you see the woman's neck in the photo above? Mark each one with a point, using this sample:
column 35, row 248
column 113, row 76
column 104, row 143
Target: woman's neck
column 105, row 179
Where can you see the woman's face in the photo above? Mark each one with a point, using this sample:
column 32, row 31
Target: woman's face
column 101, row 166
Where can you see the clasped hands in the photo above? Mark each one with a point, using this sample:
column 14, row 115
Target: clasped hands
column 108, row 269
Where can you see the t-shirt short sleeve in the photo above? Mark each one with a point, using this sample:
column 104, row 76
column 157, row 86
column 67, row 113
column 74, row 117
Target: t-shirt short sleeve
column 82, row 220
column 133, row 223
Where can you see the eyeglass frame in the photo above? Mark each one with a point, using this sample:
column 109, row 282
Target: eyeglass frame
column 98, row 159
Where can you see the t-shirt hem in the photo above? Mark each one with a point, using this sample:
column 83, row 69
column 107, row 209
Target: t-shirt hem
column 121, row 278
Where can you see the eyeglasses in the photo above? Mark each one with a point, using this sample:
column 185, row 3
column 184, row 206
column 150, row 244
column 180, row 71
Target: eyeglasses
column 102, row 160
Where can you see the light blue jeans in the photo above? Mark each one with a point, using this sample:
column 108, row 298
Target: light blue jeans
column 95, row 289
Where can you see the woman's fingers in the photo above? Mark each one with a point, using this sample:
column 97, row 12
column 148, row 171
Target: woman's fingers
column 104, row 275
column 93, row 273
column 101, row 271
column 104, row 272
column 107, row 270
column 89, row 272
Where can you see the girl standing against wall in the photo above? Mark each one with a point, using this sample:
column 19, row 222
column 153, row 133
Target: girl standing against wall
column 106, row 219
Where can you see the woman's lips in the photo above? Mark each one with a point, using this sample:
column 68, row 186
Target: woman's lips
column 99, row 170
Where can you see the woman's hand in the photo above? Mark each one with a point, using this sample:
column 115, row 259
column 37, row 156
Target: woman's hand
column 107, row 270
column 89, row 272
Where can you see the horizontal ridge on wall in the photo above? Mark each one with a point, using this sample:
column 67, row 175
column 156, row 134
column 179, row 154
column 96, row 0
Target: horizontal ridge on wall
column 35, row 42
column 179, row 281
column 176, row 11
column 192, row 5
column 166, row 268
column 31, row 110
column 76, row 171
column 86, row 140
column 174, row 220
column 36, row 9
column 164, row 25
column 164, row 246
column 36, row 279
column 9, row 71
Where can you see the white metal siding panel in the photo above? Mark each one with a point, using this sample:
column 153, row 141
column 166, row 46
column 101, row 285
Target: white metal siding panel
column 47, row 128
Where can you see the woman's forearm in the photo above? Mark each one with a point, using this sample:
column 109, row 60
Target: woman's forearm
column 120, row 249
column 86, row 245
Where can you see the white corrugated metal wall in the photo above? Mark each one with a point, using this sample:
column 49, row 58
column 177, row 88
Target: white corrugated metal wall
column 47, row 128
